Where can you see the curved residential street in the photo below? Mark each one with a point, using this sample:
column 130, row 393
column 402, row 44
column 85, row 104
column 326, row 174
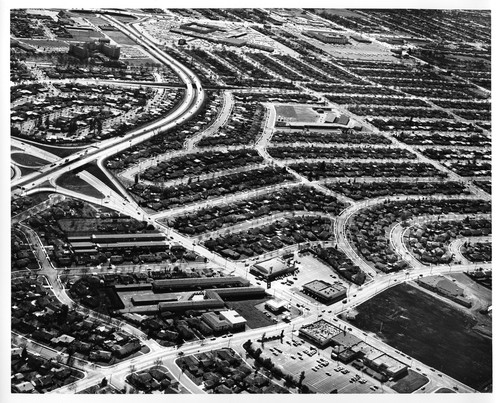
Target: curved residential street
column 283, row 66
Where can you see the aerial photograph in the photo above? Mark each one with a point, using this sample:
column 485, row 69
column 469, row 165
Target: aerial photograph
column 249, row 201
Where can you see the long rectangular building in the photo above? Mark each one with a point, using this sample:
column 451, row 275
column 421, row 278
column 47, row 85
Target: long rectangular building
column 198, row 283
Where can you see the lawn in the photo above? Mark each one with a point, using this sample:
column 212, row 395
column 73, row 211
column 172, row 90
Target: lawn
column 45, row 43
column 60, row 151
column 297, row 113
column 28, row 160
column 120, row 38
column 410, row 382
column 84, row 35
column 431, row 331
column 94, row 170
column 70, row 181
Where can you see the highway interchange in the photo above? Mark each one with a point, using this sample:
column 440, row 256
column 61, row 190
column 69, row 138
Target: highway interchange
column 45, row 179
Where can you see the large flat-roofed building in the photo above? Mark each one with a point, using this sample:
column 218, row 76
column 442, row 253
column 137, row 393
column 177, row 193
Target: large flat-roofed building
column 209, row 302
column 111, row 238
column 325, row 292
column 320, row 332
column 237, row 321
column 389, row 366
column 240, row 292
column 216, row 322
column 151, row 299
column 224, row 320
column 154, row 241
column 272, row 268
column 186, row 284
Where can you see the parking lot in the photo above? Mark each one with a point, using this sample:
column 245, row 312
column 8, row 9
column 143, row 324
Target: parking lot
column 322, row 374
column 309, row 269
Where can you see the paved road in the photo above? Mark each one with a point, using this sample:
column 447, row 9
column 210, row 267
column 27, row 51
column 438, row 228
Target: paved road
column 193, row 98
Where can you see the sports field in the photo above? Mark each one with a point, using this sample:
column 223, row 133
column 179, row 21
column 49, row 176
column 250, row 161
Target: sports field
column 433, row 332
column 296, row 113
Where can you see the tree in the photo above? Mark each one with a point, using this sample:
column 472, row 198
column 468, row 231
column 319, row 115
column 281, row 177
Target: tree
column 63, row 314
column 301, row 378
column 24, row 353
column 103, row 383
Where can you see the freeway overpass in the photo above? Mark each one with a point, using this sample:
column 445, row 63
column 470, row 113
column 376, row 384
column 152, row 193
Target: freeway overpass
column 193, row 99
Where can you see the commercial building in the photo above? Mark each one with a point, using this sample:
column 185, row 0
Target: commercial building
column 216, row 322
column 270, row 269
column 237, row 321
column 224, row 320
column 320, row 332
column 325, row 292
column 275, row 305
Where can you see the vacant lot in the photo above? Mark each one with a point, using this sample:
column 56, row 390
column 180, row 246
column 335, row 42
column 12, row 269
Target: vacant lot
column 430, row 331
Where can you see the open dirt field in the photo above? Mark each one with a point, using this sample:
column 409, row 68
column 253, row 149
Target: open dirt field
column 431, row 331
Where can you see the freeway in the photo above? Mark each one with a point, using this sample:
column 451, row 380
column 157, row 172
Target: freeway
column 193, row 99
column 187, row 108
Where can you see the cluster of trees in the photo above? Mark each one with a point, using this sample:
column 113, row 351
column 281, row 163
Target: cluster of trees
column 201, row 162
column 407, row 123
column 367, row 190
column 428, row 242
column 442, row 139
column 205, row 189
column 271, row 237
column 369, row 228
column 331, row 137
column 285, row 152
column 318, row 170
column 341, row 263
column 297, row 199
column 267, row 363
column 477, row 252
